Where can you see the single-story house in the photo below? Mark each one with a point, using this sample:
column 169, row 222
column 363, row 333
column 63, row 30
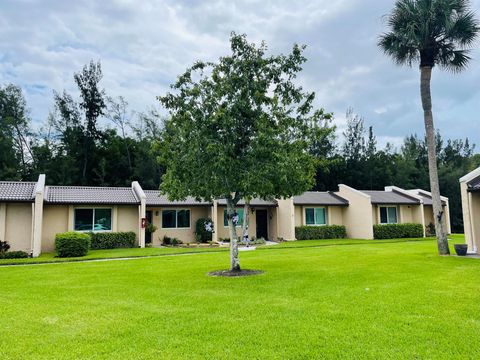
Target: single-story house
column 470, row 192
column 31, row 213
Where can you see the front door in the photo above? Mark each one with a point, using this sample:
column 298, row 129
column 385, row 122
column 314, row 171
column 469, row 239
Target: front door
column 148, row 235
column 262, row 224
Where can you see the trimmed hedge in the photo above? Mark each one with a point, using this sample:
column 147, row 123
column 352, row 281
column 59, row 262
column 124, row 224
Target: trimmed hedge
column 72, row 244
column 14, row 255
column 320, row 232
column 397, row 231
column 112, row 240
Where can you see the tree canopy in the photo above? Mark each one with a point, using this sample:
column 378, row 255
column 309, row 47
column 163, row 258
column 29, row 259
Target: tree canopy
column 241, row 127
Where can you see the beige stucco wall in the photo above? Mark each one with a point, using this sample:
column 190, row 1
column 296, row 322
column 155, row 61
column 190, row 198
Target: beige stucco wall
column 222, row 230
column 428, row 217
column 286, row 219
column 272, row 223
column 468, row 218
column 17, row 225
column 185, row 235
column 127, row 219
column 334, row 214
column 55, row 220
column 60, row 218
column 299, row 216
column 358, row 216
column 405, row 213
column 475, row 218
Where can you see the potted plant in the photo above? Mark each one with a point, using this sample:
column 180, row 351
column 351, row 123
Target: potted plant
column 461, row 249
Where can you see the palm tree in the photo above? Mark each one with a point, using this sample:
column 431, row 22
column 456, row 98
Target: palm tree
column 431, row 32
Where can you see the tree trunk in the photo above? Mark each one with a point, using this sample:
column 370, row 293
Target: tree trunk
column 234, row 260
column 425, row 77
column 246, row 220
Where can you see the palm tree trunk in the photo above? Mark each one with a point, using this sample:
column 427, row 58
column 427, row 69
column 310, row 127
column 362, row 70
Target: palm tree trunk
column 425, row 77
column 234, row 260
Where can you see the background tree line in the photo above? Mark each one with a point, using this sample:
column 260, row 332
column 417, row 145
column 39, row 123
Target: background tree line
column 97, row 140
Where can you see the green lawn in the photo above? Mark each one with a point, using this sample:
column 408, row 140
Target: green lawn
column 355, row 299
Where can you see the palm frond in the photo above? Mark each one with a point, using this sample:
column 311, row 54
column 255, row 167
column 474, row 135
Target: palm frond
column 454, row 60
column 432, row 31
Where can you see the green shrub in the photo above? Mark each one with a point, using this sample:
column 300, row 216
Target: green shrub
column 112, row 240
column 430, row 230
column 4, row 246
column 170, row 241
column 71, row 244
column 201, row 233
column 397, row 231
column 320, row 232
column 14, row 255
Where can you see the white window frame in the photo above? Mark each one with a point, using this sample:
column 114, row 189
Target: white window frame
column 176, row 219
column 93, row 217
column 315, row 207
column 387, row 207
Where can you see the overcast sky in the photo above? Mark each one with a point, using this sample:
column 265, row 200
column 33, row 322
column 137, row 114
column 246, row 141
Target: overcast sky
column 144, row 45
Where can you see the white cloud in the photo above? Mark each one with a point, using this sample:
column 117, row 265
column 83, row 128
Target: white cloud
column 144, row 45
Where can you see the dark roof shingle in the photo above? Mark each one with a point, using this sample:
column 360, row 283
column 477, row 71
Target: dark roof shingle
column 474, row 185
column 17, row 191
column 253, row 202
column 390, row 197
column 90, row 195
column 319, row 198
column 154, row 198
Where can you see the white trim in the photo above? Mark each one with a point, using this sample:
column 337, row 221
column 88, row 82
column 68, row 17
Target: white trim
column 427, row 193
column 176, row 218
column 471, row 175
column 386, row 207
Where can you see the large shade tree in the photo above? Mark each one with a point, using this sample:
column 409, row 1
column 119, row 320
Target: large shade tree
column 241, row 128
column 431, row 33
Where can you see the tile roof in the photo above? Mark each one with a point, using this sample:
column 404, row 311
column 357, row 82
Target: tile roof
column 390, row 197
column 427, row 200
column 319, row 198
column 154, row 198
column 90, row 195
column 474, row 185
column 17, row 191
column 253, row 202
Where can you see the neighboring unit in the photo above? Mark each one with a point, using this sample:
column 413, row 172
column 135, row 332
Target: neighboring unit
column 470, row 192
column 31, row 214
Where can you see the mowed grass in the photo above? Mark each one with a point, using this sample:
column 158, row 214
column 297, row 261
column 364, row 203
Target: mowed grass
column 359, row 301
column 112, row 254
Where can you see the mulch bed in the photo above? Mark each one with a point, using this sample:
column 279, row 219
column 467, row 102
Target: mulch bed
column 228, row 273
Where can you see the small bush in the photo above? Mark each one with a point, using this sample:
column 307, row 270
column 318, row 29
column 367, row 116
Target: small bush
column 112, row 240
column 201, row 233
column 397, row 231
column 320, row 232
column 171, row 241
column 430, row 230
column 14, row 255
column 71, row 244
column 4, row 247
column 166, row 240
